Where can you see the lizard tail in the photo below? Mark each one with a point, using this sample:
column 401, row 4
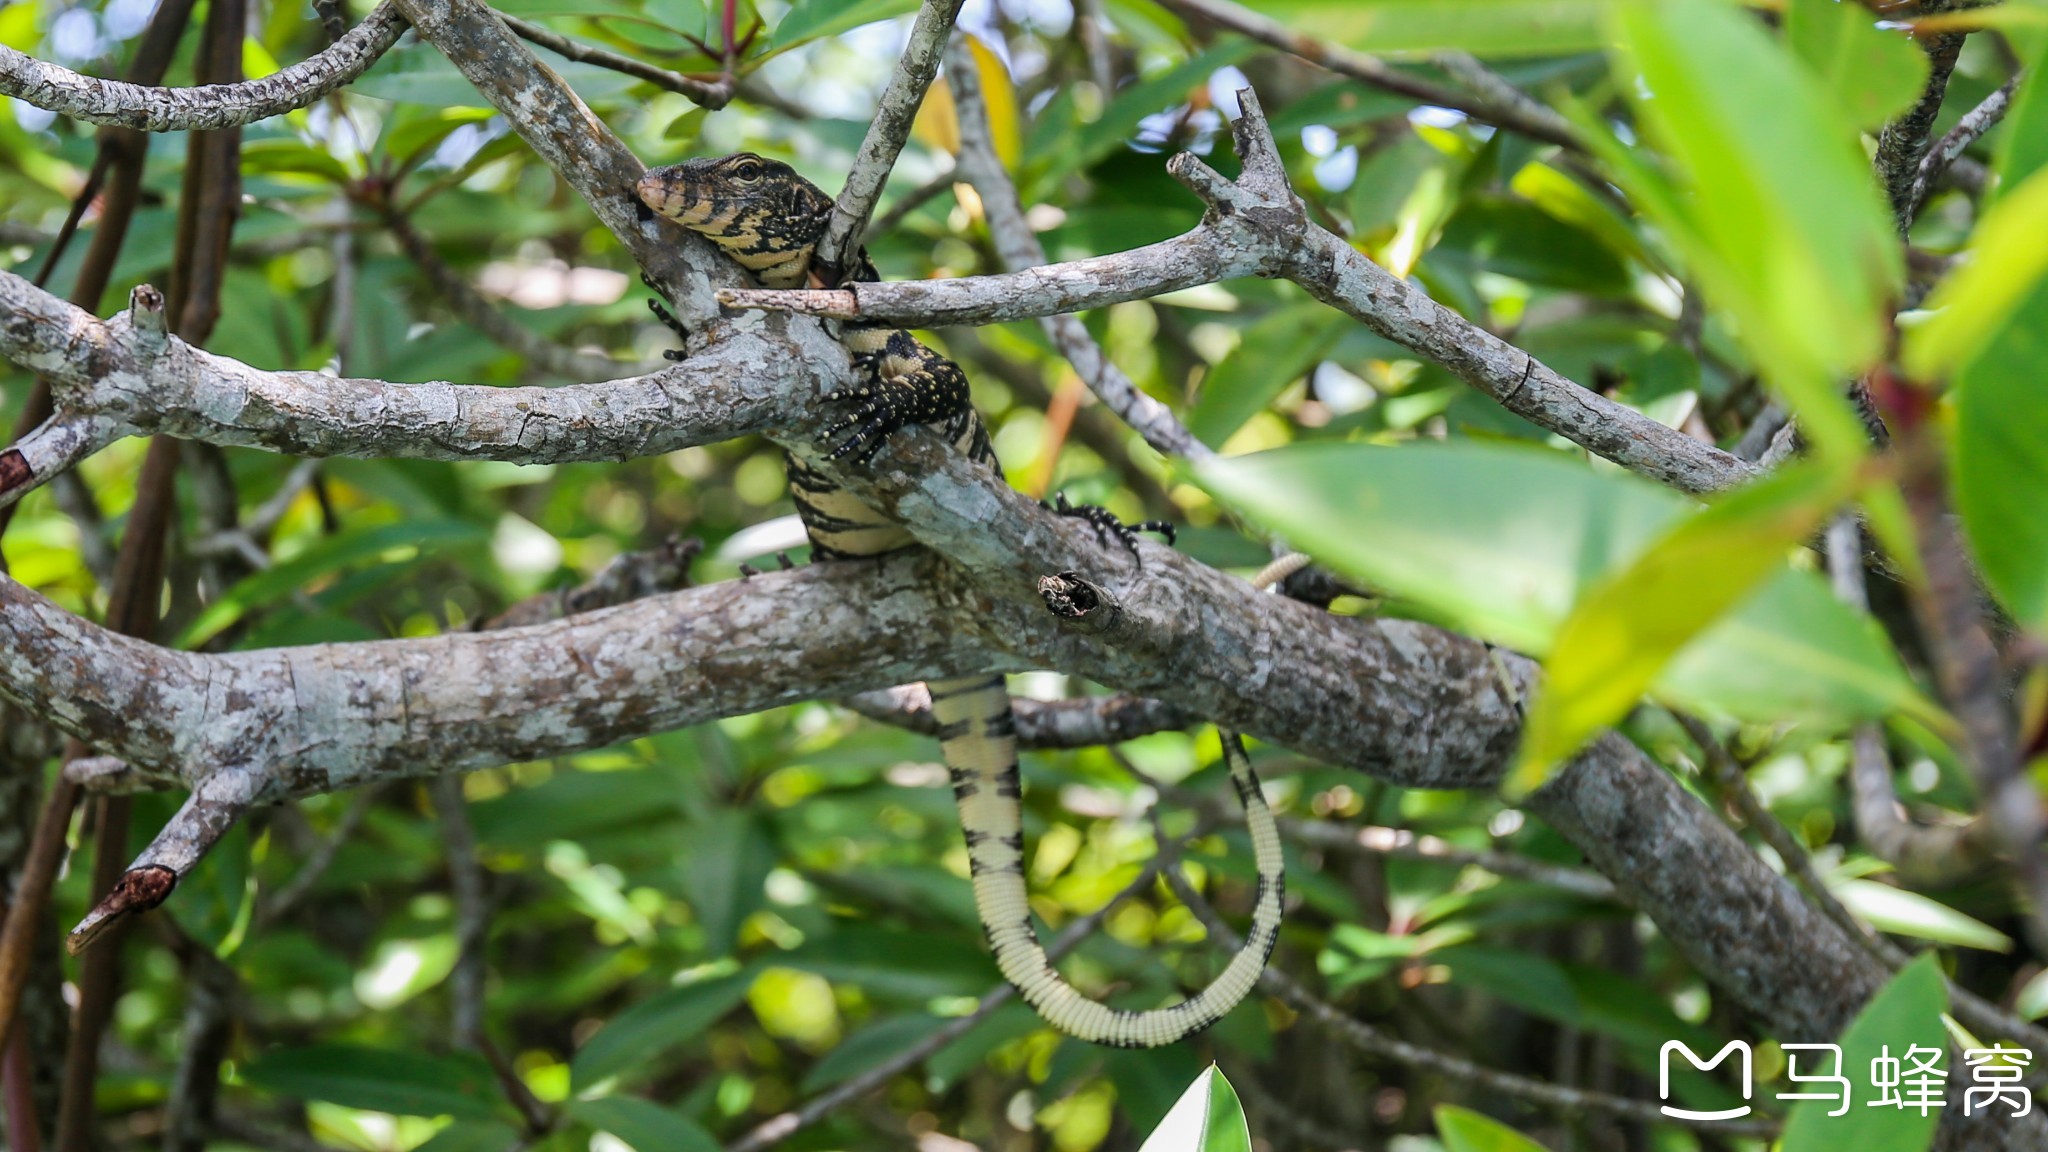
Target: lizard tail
column 978, row 733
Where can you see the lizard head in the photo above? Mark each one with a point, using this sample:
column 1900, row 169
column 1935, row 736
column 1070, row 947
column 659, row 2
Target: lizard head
column 760, row 211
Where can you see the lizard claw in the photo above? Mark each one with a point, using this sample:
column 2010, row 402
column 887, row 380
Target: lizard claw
column 1106, row 524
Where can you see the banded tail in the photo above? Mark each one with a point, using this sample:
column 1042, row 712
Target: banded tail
column 978, row 733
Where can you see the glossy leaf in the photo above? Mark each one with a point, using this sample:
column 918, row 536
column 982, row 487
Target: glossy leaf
column 1502, row 541
column 1873, row 72
column 348, row 548
column 1621, row 634
column 816, row 19
column 1207, row 1118
column 1273, row 353
column 380, row 1080
column 729, row 856
column 640, row 1033
column 868, row 1047
column 1911, row 914
column 2023, row 138
column 643, row 1125
column 1464, row 1130
column 1990, row 330
column 1905, row 1012
column 473, row 1136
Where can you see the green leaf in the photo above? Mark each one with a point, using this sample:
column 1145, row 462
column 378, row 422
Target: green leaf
column 814, row 19
column 281, row 155
column 1906, row 1012
column 1911, row 914
column 1500, row 28
column 1500, row 541
column 1274, row 352
column 644, row 1031
column 730, row 856
column 868, row 1047
column 380, row 1080
column 418, row 135
column 1532, row 983
column 1464, row 1130
column 1207, row 1118
column 2032, row 1001
column 1621, row 635
column 2023, row 143
column 1493, row 539
column 2008, row 260
column 344, row 549
column 2001, row 471
column 1772, row 206
column 1991, row 331
column 473, row 1136
column 896, row 962
column 1794, row 653
column 1873, row 73
column 647, row 1126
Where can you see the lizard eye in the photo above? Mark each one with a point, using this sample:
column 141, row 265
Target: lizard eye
column 747, row 171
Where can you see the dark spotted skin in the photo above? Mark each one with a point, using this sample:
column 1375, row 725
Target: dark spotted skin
column 769, row 220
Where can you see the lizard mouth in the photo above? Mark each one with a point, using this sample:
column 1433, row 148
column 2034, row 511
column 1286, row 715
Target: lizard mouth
column 673, row 198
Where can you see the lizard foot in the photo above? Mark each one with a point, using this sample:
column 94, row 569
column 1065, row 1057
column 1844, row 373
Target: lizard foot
column 1107, row 526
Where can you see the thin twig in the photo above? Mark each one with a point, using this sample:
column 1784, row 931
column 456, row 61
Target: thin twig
column 1086, row 722
column 713, row 94
column 1402, row 844
column 1945, row 151
column 472, row 910
column 886, row 135
column 1500, row 104
column 478, row 312
column 1923, row 853
column 316, row 863
column 1020, row 249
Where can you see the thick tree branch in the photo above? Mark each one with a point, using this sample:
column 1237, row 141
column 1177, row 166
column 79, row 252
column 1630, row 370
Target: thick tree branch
column 128, row 371
column 563, row 130
column 210, row 106
column 1903, row 142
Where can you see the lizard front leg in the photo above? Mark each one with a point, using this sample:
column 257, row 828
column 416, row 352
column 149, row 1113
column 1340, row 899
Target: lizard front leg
column 905, row 383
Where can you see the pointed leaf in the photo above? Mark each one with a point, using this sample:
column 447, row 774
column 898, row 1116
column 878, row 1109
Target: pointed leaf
column 1622, row 634
column 380, row 1080
column 1777, row 217
column 1874, row 73
column 656, row 1025
column 643, row 1124
column 1207, row 1118
column 1464, row 1130
column 1911, row 914
column 1905, row 1012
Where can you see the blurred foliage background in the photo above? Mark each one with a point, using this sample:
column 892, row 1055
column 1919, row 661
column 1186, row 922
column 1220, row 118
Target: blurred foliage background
column 693, row 933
